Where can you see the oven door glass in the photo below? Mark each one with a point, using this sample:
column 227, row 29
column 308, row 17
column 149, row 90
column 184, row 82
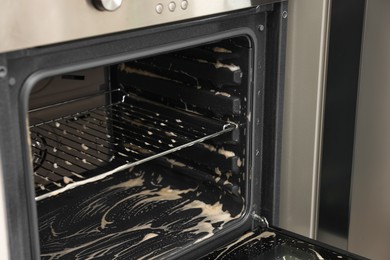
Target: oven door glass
column 273, row 243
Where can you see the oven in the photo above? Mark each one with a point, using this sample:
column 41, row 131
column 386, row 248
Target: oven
column 146, row 131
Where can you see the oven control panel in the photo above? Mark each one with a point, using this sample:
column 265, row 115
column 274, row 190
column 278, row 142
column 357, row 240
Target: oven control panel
column 172, row 6
column 67, row 20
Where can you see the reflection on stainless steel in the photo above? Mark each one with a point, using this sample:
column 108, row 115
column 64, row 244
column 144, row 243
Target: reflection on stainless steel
column 339, row 122
column 22, row 24
column 107, row 5
column 303, row 97
column 370, row 206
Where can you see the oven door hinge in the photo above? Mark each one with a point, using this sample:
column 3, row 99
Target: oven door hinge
column 259, row 221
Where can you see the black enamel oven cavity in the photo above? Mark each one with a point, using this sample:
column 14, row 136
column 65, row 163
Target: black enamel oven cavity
column 201, row 98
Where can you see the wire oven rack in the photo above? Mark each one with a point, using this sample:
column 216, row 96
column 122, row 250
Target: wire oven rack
column 87, row 146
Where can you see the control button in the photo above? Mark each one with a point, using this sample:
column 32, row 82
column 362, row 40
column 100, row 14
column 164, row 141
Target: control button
column 159, row 8
column 172, row 6
column 184, row 5
column 107, row 5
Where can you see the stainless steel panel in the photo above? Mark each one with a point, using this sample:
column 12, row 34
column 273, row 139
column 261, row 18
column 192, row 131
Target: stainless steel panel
column 26, row 23
column 345, row 38
column 303, row 109
column 370, row 205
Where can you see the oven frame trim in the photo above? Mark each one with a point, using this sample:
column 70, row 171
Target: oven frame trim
column 245, row 220
column 246, row 32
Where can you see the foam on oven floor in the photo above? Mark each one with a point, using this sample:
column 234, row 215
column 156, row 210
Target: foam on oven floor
column 138, row 215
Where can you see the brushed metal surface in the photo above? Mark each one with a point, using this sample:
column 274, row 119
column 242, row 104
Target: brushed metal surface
column 107, row 5
column 345, row 39
column 25, row 23
column 370, row 204
column 303, row 114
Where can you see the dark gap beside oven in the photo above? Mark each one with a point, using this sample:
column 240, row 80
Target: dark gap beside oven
column 144, row 157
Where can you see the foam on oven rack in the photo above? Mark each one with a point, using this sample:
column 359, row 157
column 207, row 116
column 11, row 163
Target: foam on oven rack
column 87, row 146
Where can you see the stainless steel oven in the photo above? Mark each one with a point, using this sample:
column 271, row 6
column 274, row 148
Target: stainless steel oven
column 145, row 130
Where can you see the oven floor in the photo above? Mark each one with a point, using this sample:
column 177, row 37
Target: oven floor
column 137, row 214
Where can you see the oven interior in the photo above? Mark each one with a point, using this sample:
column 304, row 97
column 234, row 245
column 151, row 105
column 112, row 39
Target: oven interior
column 145, row 157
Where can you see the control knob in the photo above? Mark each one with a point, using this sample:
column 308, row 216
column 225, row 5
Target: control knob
column 107, row 5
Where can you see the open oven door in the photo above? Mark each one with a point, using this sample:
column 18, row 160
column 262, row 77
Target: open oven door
column 274, row 243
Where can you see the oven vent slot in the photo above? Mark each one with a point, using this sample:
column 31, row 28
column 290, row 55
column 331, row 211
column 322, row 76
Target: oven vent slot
column 83, row 147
